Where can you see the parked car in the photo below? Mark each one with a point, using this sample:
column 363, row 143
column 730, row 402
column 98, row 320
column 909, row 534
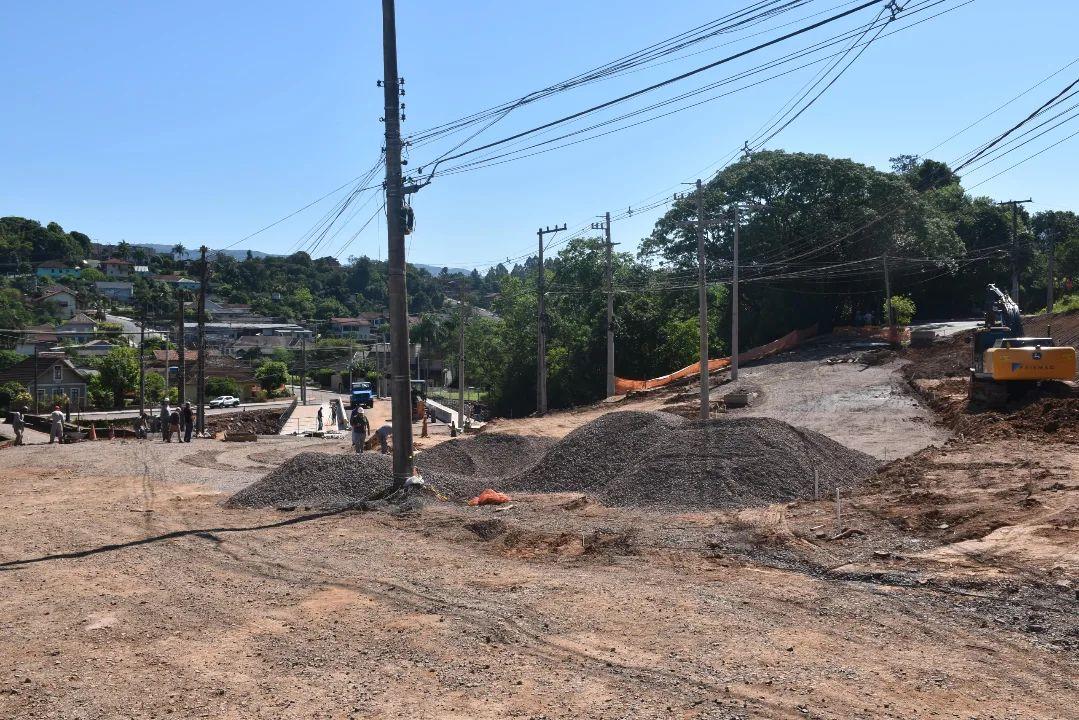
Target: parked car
column 224, row 401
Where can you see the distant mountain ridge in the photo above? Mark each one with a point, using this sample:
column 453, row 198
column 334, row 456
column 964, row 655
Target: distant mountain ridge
column 241, row 254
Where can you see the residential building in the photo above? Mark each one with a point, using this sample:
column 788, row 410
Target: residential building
column 49, row 376
column 56, row 269
column 39, row 338
column 116, row 268
column 357, row 328
column 177, row 281
column 140, row 269
column 64, row 300
column 227, row 311
column 79, row 329
column 263, row 344
column 115, row 289
column 217, row 365
column 91, row 263
column 222, row 332
column 94, row 348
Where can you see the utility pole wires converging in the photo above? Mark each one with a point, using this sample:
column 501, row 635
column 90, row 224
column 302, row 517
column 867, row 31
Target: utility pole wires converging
column 1015, row 243
column 541, row 324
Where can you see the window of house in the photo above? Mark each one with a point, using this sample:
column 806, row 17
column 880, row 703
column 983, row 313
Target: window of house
column 57, row 373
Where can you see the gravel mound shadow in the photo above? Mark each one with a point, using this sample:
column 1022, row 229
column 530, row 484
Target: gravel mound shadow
column 323, row 481
column 494, row 455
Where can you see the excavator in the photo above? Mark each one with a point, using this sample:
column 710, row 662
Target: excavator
column 1005, row 364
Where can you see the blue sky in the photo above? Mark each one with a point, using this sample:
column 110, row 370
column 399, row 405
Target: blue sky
column 201, row 122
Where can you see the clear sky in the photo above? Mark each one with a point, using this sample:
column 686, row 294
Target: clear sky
column 201, row 122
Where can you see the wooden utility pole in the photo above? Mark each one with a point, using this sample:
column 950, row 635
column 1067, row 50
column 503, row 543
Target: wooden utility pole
column 181, row 387
column 734, row 298
column 1015, row 244
column 702, row 299
column 1052, row 247
column 200, row 361
column 400, row 387
column 303, row 371
column 541, row 324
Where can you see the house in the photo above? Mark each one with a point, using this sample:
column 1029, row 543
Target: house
column 80, row 329
column 217, row 365
column 94, row 348
column 227, row 311
column 177, row 281
column 140, row 269
column 56, row 269
column 91, row 263
column 39, row 338
column 46, row 377
column 116, row 290
column 357, row 328
column 116, row 268
column 262, row 344
column 64, row 300
column 379, row 320
column 222, row 332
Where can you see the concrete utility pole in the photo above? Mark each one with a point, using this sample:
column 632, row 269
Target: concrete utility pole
column 888, row 301
column 200, row 361
column 142, row 361
column 734, row 299
column 702, row 299
column 400, row 388
column 541, row 324
column 1015, row 244
column 303, row 371
column 167, row 351
column 461, row 356
column 181, row 387
column 351, row 354
column 1052, row 247
column 609, row 282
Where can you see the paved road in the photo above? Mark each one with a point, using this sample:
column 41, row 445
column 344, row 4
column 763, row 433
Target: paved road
column 945, row 328
column 133, row 412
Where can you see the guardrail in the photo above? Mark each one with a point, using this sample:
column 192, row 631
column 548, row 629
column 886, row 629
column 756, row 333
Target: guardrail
column 285, row 416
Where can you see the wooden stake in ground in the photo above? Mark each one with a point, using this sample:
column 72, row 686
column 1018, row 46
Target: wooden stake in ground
column 838, row 512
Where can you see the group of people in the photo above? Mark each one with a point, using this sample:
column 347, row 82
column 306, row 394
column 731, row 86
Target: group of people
column 172, row 421
column 361, row 428
column 56, row 424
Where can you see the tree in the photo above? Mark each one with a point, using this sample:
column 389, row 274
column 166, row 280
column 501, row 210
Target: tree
column 123, row 250
column 216, row 386
column 272, row 375
column 903, row 309
column 179, row 251
column 120, row 372
column 155, row 388
column 9, row 358
column 14, row 395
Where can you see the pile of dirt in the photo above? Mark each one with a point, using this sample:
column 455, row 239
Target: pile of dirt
column 596, row 453
column 493, row 455
column 324, row 481
column 1041, row 414
column 259, row 422
column 943, row 359
column 654, row 459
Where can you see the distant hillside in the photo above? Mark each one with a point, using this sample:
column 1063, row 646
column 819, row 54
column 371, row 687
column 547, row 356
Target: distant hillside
column 436, row 269
column 193, row 254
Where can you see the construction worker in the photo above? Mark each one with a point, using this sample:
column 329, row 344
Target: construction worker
column 173, row 425
column 188, row 419
column 384, row 434
column 56, row 427
column 164, row 419
column 18, row 423
column 319, row 417
column 360, row 428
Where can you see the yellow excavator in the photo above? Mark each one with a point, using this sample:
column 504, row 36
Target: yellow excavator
column 1005, row 364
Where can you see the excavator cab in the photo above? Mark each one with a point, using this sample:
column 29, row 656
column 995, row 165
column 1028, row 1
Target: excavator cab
column 1004, row 363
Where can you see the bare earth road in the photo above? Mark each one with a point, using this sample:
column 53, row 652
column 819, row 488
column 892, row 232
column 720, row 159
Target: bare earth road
column 126, row 590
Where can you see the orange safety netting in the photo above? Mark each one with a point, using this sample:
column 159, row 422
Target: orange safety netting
column 790, row 340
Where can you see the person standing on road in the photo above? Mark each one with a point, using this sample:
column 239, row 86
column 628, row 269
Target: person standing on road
column 360, row 428
column 173, row 425
column 18, row 423
column 188, row 418
column 320, row 418
column 56, row 428
column 384, row 434
column 164, row 418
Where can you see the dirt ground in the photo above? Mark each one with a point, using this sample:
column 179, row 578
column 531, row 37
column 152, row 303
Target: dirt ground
column 126, row 590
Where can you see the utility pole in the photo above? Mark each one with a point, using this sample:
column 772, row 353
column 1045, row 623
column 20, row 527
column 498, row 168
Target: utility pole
column 609, row 281
column 351, row 354
column 734, row 299
column 541, row 325
column 142, row 361
column 702, row 300
column 1015, row 244
column 167, row 351
column 200, row 361
column 888, row 302
column 303, row 371
column 461, row 356
column 401, row 407
column 1051, row 242
column 181, row 387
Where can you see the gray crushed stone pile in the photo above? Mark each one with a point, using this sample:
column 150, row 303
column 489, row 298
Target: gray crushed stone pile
column 494, row 455
column 323, row 481
column 656, row 459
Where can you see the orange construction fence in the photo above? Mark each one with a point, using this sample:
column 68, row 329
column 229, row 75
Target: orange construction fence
column 790, row 340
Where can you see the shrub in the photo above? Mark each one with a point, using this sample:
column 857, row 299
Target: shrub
column 216, row 386
column 903, row 309
column 272, row 375
column 11, row 393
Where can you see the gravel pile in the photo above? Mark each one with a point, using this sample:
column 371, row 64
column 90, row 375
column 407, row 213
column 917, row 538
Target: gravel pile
column 739, row 462
column 320, row 480
column 595, row 454
column 494, row 455
column 656, row 459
